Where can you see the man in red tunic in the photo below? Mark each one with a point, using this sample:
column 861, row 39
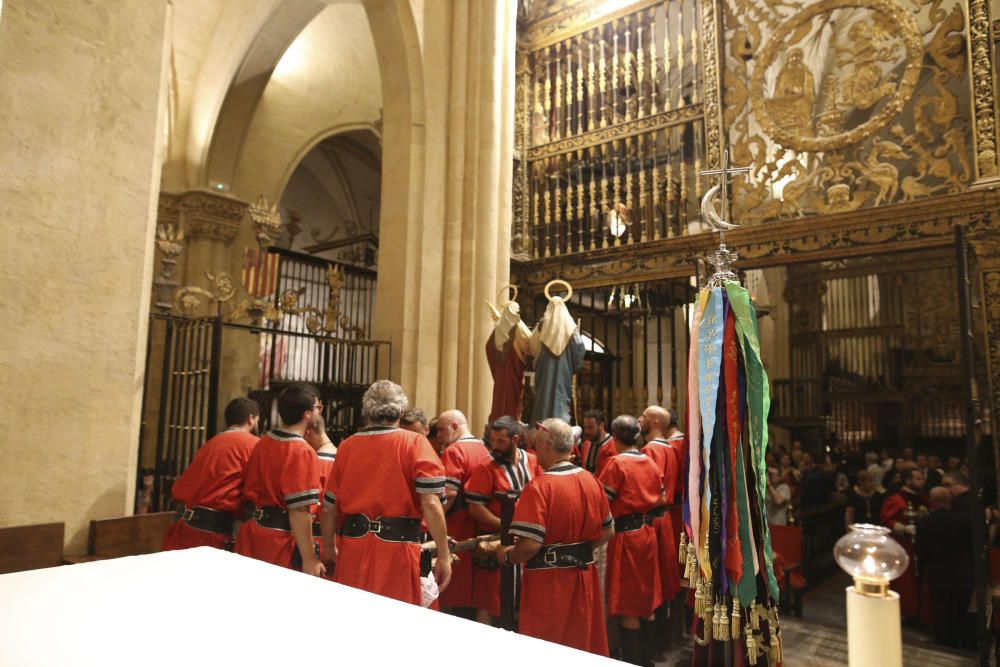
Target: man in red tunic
column 383, row 480
column 509, row 470
column 634, row 484
column 463, row 454
column 665, row 451
column 326, row 454
column 561, row 517
column 899, row 513
column 506, row 354
column 211, row 487
column 597, row 447
column 281, row 483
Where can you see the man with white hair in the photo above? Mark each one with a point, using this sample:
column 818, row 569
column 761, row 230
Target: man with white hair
column 558, row 351
column 561, row 517
column 461, row 456
column 506, row 353
column 383, row 479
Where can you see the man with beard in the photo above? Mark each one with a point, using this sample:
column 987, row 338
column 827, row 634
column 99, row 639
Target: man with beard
column 561, row 517
column 597, row 447
column 211, row 488
column 282, row 483
column 510, row 469
column 899, row 513
column 383, row 480
column 463, row 453
column 634, row 484
column 659, row 429
column 506, row 353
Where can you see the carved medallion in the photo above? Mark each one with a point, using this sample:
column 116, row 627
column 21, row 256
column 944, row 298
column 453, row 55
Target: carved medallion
column 870, row 40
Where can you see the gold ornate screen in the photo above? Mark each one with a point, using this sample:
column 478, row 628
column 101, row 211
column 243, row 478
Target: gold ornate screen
column 610, row 128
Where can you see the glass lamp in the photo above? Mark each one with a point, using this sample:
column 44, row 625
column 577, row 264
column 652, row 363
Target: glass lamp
column 873, row 558
column 868, row 554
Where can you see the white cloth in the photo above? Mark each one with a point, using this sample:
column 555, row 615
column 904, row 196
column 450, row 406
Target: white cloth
column 428, row 590
column 556, row 329
column 84, row 615
column 510, row 322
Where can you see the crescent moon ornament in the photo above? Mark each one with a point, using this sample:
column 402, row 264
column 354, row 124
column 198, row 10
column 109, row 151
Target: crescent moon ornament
column 709, row 212
column 559, row 281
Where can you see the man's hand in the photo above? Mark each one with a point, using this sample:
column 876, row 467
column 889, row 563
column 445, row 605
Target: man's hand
column 330, row 555
column 313, row 566
column 442, row 572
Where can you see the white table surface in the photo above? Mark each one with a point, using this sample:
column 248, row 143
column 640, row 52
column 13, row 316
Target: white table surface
column 208, row 607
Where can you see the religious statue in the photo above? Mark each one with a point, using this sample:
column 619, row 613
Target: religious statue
column 794, row 95
column 507, row 353
column 558, row 350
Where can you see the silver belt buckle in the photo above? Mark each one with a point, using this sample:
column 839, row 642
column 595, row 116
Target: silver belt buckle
column 550, row 558
column 258, row 514
column 374, row 526
column 187, row 515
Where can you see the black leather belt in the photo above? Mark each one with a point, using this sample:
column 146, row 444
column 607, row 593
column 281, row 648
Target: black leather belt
column 657, row 512
column 578, row 554
column 390, row 529
column 270, row 516
column 635, row 521
column 317, row 529
column 208, row 519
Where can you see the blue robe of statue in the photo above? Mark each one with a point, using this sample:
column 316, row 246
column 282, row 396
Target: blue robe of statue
column 554, row 380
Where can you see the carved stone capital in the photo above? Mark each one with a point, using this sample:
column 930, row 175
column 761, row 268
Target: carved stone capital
column 205, row 215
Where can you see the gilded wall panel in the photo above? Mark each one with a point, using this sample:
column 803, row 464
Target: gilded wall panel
column 844, row 104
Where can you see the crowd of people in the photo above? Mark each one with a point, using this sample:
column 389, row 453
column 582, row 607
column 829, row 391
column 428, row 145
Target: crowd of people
column 596, row 517
column 594, row 520
column 923, row 500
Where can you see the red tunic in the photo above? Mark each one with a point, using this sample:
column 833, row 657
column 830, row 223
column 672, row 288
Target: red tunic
column 563, row 505
column 380, row 472
column 894, row 511
column 594, row 457
column 282, row 472
column 325, row 464
column 634, row 483
column 214, row 479
column 460, row 458
column 665, row 455
column 487, row 479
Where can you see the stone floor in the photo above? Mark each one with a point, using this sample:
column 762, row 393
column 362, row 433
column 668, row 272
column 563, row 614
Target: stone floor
column 819, row 639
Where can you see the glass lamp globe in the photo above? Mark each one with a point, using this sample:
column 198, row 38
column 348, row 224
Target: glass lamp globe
column 616, row 223
column 868, row 554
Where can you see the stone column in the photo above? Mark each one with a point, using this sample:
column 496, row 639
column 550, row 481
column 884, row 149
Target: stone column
column 81, row 88
column 210, row 222
column 446, row 202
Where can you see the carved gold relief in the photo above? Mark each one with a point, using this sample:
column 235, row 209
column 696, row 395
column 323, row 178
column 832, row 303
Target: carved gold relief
column 845, row 104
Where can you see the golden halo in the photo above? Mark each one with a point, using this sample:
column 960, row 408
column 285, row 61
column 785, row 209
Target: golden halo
column 503, row 290
column 559, row 281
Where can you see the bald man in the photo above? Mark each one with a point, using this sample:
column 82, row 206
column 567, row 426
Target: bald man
column 666, row 453
column 462, row 454
column 946, row 562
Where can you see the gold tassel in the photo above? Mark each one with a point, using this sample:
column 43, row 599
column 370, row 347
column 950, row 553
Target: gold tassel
column 754, row 616
column 775, row 650
column 751, row 645
column 735, row 620
column 699, row 598
column 723, row 625
column 715, row 621
column 682, row 550
column 692, row 562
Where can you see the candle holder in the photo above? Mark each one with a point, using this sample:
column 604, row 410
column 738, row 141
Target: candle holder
column 873, row 558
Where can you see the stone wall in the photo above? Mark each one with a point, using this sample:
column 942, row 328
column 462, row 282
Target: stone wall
column 80, row 89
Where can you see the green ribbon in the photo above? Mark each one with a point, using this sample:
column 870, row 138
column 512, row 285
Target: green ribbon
column 758, row 406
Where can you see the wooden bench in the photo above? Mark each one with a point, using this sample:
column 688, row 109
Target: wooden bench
column 31, row 547
column 125, row 536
